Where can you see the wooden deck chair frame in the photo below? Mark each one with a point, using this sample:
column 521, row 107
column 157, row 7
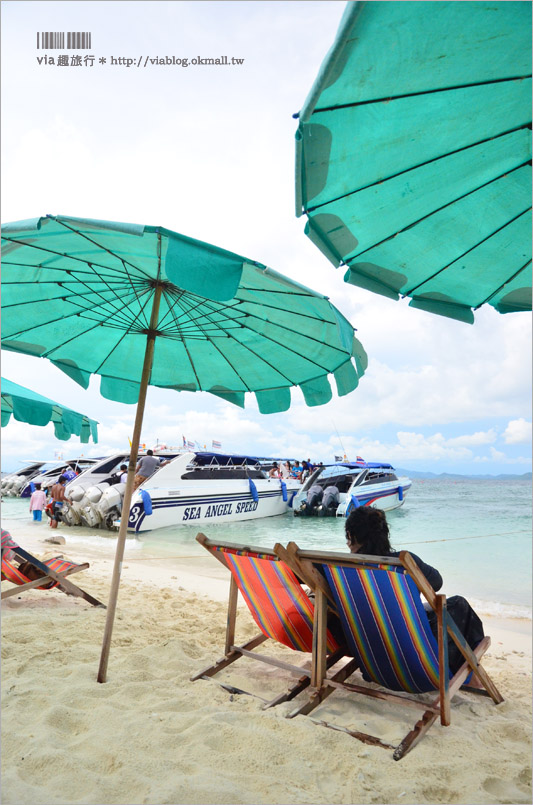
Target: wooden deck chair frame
column 304, row 564
column 51, row 575
column 233, row 652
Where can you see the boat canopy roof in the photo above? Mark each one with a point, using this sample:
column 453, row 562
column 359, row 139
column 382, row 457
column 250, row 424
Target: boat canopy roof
column 224, row 460
column 353, row 468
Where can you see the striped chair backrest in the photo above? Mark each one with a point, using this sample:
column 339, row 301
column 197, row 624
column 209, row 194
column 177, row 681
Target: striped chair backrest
column 275, row 598
column 385, row 625
column 11, row 572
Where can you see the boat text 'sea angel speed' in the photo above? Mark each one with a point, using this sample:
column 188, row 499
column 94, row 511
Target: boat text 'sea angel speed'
column 336, row 489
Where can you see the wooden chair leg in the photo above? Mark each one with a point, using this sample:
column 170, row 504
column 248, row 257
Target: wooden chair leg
column 422, row 726
column 233, row 655
column 442, row 640
column 304, row 681
column 326, row 690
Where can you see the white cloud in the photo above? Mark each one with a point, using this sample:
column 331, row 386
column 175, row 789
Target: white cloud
column 517, row 431
column 474, row 439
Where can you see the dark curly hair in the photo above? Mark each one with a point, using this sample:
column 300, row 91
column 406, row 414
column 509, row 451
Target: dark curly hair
column 368, row 528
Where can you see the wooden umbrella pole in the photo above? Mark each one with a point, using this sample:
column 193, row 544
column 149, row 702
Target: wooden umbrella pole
column 128, row 492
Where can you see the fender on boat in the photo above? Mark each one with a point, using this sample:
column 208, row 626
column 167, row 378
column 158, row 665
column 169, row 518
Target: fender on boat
column 147, row 501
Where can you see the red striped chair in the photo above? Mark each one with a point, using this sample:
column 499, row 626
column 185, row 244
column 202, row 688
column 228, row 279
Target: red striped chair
column 54, row 573
column 387, row 631
column 279, row 606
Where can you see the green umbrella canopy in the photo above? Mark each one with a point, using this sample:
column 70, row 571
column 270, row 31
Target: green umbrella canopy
column 413, row 154
column 80, row 293
column 142, row 305
column 27, row 406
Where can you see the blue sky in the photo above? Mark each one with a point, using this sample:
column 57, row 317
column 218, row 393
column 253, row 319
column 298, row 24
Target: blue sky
column 209, row 151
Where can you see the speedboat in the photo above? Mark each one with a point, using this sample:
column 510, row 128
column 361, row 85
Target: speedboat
column 336, row 489
column 13, row 482
column 50, row 472
column 197, row 488
column 94, row 497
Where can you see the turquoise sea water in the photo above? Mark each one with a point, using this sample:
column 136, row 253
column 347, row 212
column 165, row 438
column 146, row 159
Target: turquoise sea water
column 477, row 533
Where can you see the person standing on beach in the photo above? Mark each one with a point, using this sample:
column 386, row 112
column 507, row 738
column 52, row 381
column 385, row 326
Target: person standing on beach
column 37, row 503
column 57, row 493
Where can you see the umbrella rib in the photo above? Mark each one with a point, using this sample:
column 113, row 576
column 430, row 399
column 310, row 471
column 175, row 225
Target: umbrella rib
column 55, row 299
column 241, row 302
column 102, row 248
column 215, row 345
column 475, row 246
column 118, row 315
column 296, row 332
column 286, row 310
column 512, row 277
column 83, row 260
column 433, row 212
column 248, row 314
column 171, row 311
column 389, row 98
column 230, row 363
column 420, row 165
column 51, row 321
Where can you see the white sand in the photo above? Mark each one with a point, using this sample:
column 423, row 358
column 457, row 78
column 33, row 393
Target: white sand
column 149, row 735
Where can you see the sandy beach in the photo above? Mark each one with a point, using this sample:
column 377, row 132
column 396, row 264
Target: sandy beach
column 149, row 735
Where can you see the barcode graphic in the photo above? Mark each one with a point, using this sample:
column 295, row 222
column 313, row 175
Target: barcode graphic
column 53, row 40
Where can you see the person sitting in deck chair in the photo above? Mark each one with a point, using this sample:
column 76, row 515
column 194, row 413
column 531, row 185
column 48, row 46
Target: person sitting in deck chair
column 367, row 532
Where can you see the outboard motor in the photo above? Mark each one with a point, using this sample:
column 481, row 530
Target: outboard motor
column 70, row 514
column 88, row 512
column 94, row 493
column 109, row 506
column 330, row 501
column 15, row 487
column 310, row 506
column 73, row 511
column 314, row 496
column 8, row 484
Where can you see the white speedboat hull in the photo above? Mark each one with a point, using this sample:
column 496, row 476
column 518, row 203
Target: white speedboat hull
column 391, row 496
column 205, row 504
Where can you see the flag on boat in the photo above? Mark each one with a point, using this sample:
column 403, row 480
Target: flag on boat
column 359, row 460
column 216, row 445
column 190, row 445
column 184, row 441
column 338, row 458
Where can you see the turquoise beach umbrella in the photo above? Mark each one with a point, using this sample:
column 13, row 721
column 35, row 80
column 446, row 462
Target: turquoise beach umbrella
column 413, row 154
column 143, row 305
column 26, row 405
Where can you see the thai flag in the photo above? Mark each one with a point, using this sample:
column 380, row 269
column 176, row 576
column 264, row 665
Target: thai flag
column 216, row 445
column 190, row 445
column 359, row 460
column 184, row 441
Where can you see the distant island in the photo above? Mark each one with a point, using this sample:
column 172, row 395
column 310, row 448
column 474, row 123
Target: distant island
column 447, row 476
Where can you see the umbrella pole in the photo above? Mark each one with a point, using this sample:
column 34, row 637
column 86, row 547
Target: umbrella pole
column 128, row 492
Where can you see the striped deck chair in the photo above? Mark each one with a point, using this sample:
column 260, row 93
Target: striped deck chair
column 387, row 631
column 279, row 606
column 55, row 572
